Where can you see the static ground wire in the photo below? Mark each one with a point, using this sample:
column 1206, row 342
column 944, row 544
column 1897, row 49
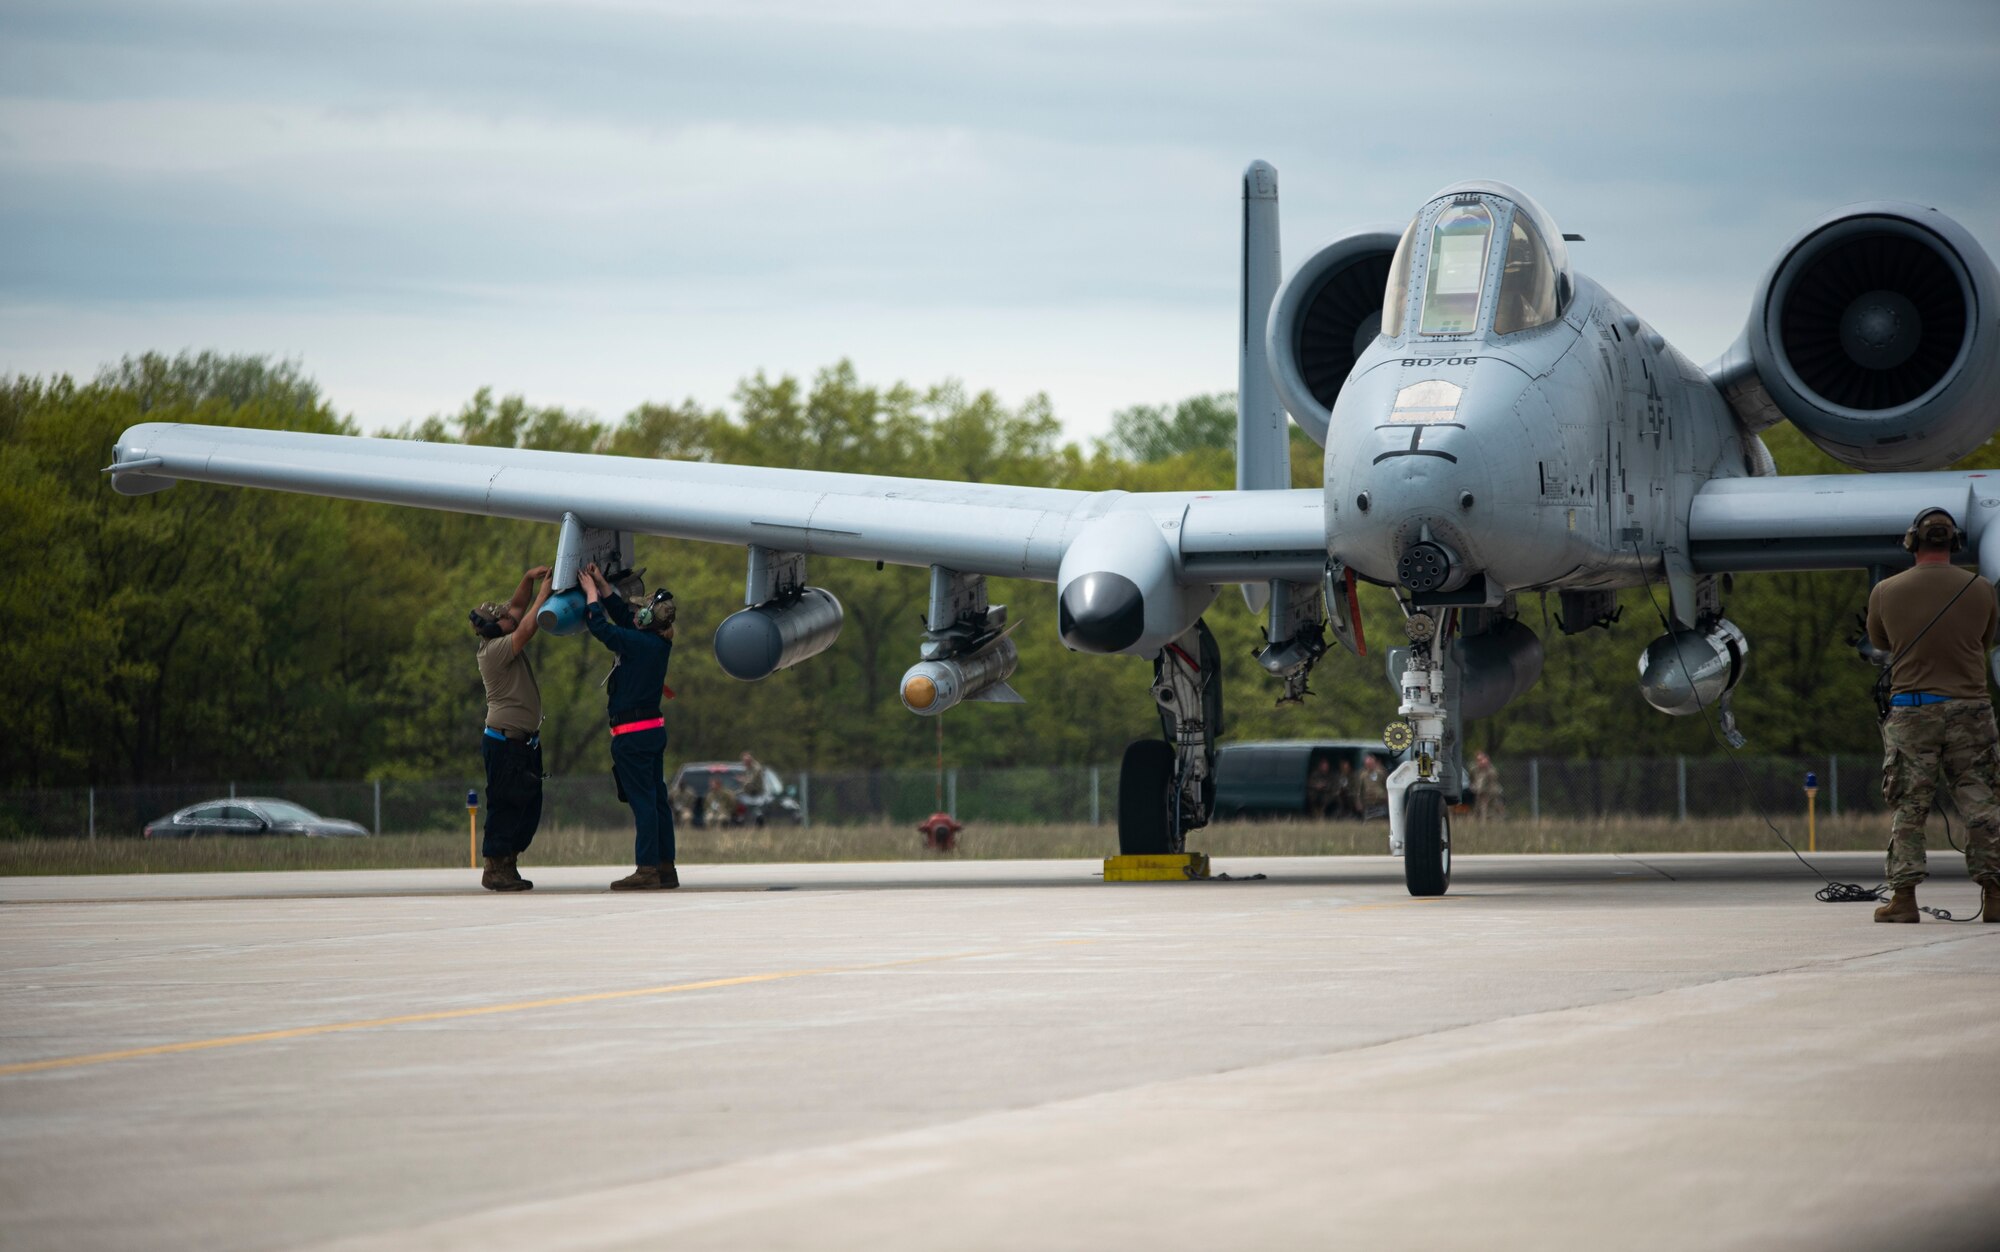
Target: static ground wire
column 1833, row 892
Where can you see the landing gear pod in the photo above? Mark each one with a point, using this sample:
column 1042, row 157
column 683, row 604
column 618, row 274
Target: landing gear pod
column 765, row 638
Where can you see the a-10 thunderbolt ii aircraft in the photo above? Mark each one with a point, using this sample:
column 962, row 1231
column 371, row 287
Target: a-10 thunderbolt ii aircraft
column 1495, row 423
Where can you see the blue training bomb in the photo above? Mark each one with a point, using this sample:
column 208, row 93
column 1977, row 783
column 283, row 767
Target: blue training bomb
column 563, row 613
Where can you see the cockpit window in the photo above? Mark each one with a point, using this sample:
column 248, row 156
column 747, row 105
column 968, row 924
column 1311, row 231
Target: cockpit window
column 1396, row 297
column 1459, row 241
column 1527, row 283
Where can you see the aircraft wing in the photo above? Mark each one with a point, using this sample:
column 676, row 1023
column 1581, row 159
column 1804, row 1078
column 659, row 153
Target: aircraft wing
column 1836, row 521
column 975, row 528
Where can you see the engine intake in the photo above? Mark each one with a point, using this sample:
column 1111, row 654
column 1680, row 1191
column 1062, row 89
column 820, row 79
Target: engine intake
column 1327, row 312
column 1874, row 335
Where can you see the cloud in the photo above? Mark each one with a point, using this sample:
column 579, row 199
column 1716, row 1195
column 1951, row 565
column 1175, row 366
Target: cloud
column 994, row 183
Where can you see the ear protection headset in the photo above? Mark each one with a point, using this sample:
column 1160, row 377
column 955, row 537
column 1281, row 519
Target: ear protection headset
column 485, row 626
column 657, row 613
column 1911, row 536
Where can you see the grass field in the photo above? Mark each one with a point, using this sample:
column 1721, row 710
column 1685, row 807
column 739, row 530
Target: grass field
column 578, row 846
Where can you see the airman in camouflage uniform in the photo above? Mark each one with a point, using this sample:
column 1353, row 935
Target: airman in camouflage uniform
column 1960, row 738
column 1374, row 787
column 1937, row 623
column 1486, row 788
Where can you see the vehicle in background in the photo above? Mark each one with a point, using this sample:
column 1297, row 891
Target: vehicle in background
column 1268, row 779
column 776, row 803
column 250, row 816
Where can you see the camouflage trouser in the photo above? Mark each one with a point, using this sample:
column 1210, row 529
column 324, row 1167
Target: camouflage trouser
column 1958, row 739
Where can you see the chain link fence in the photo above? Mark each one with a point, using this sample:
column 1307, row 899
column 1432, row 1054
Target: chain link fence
column 1685, row 788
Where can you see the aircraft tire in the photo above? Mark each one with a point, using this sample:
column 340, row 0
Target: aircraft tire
column 1145, row 787
column 1426, row 843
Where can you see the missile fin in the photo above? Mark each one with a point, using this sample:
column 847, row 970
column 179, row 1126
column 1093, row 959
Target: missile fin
column 999, row 693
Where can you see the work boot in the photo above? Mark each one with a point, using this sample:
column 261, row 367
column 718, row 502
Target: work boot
column 668, row 877
column 514, row 872
column 644, row 878
column 1989, row 901
column 1902, row 907
column 500, row 875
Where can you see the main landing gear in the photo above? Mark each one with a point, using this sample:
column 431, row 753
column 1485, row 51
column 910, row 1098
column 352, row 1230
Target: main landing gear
column 1166, row 787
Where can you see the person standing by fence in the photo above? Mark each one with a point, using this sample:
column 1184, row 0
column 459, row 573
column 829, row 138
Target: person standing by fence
column 1937, row 624
column 641, row 636
column 511, row 745
column 1374, row 788
column 1486, row 791
column 1321, row 788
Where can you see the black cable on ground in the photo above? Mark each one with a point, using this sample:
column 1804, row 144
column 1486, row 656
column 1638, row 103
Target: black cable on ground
column 1833, row 892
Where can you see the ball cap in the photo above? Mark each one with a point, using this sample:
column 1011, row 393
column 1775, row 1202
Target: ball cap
column 1934, row 526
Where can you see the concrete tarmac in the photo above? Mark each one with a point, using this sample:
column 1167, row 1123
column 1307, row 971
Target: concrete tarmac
column 1674, row 1052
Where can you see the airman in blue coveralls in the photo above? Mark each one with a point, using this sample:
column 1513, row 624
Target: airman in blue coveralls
column 641, row 635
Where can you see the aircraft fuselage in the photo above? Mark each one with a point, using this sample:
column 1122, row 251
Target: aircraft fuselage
column 1556, row 457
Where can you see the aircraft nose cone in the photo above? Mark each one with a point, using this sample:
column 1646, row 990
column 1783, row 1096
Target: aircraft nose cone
column 1101, row 612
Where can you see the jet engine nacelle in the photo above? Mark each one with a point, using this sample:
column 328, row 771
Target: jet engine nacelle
column 1325, row 314
column 1689, row 670
column 1874, row 334
column 765, row 638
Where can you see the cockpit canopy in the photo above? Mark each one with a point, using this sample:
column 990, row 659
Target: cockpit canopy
column 1479, row 255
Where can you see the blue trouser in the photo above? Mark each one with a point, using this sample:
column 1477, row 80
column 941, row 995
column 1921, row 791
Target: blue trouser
column 513, row 795
column 636, row 764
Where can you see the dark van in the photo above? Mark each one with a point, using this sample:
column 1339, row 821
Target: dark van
column 1269, row 779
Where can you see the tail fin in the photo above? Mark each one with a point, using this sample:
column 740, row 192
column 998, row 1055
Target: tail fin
column 1263, row 453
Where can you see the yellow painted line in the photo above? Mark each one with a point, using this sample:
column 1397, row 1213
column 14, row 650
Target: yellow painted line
column 446, row 1015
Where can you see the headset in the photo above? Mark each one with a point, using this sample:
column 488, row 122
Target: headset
column 1911, row 536
column 484, row 626
column 656, row 614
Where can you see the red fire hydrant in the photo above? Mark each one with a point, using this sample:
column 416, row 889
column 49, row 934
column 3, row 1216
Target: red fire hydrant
column 940, row 832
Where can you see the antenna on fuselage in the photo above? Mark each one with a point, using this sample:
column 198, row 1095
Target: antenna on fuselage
column 1263, row 448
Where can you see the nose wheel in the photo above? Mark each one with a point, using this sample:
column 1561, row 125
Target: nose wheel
column 1426, row 843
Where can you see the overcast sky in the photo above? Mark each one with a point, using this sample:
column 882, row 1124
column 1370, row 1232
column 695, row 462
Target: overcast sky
column 601, row 204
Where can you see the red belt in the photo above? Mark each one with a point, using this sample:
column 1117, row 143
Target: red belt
column 629, row 728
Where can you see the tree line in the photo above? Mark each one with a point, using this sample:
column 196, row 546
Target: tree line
column 209, row 632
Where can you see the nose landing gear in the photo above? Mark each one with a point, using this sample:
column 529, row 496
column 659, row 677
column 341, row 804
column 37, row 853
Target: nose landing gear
column 1421, row 788
column 1426, row 842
